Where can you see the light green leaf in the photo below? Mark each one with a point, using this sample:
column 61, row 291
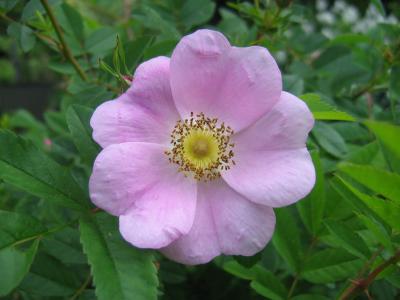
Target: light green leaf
column 388, row 136
column 26, row 167
column 119, row 270
column 14, row 264
column 16, row 228
column 286, row 238
column 380, row 181
column 324, row 111
column 349, row 240
column 331, row 265
column 78, row 118
column 329, row 139
column 311, row 208
column 387, row 210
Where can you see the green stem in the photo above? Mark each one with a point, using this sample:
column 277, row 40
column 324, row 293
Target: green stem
column 65, row 49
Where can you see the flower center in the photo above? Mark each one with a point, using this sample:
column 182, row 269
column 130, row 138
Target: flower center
column 201, row 147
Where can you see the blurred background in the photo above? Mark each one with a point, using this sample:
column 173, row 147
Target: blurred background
column 31, row 71
column 341, row 57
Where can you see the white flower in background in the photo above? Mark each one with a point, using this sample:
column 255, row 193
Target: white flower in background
column 326, row 18
column 350, row 15
column 339, row 6
column 321, row 5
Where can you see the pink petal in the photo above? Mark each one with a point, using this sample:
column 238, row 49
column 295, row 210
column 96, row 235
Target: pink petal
column 135, row 181
column 273, row 166
column 286, row 126
column 237, row 85
column 225, row 223
column 272, row 177
column 144, row 113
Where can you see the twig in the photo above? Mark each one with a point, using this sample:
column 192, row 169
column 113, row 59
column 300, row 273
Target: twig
column 65, row 49
column 360, row 285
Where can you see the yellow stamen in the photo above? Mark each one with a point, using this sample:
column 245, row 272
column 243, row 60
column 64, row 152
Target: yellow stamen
column 201, row 147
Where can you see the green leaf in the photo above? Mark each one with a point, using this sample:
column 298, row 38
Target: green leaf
column 16, row 228
column 263, row 282
column 48, row 277
column 388, row 211
column 293, row 84
column 331, row 265
column 380, row 181
column 14, row 264
column 324, row 111
column 23, row 34
column 311, row 208
column 349, row 240
column 120, row 271
column 286, row 238
column 377, row 230
column 6, row 5
column 101, row 41
column 78, row 118
column 26, row 167
column 136, row 50
column 196, row 12
column 388, row 136
column 74, row 21
column 268, row 285
column 329, row 139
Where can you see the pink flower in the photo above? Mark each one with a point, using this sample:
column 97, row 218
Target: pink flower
column 199, row 150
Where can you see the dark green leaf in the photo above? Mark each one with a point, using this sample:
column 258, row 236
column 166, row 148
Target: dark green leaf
column 14, row 264
column 196, row 12
column 349, row 240
column 26, row 167
column 74, row 20
column 331, row 265
column 120, row 271
column 329, row 139
column 286, row 238
column 16, row 228
column 78, row 118
column 311, row 208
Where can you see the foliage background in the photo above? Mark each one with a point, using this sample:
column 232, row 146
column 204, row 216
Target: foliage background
column 341, row 58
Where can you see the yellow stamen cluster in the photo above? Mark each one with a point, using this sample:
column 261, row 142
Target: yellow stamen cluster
column 201, row 147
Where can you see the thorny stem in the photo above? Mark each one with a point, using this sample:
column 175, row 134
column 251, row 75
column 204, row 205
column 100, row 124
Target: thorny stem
column 360, row 285
column 65, row 49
